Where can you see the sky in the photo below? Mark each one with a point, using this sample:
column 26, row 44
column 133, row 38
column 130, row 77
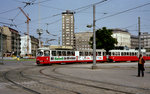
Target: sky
column 46, row 15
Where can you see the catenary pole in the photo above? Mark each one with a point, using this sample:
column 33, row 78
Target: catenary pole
column 139, row 35
column 94, row 40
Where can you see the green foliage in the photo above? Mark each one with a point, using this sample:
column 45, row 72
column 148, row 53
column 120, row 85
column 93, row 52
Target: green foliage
column 104, row 40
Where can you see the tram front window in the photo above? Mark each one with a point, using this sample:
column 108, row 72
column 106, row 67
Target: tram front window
column 40, row 53
column 46, row 53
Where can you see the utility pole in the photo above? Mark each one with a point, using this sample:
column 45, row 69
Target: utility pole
column 94, row 40
column 139, row 35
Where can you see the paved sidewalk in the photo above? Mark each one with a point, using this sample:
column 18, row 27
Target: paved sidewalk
column 122, row 74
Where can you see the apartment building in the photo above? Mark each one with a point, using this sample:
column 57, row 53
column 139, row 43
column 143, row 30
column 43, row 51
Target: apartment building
column 33, row 45
column 12, row 41
column 82, row 40
column 68, row 37
column 2, row 42
column 123, row 37
column 146, row 41
column 135, row 42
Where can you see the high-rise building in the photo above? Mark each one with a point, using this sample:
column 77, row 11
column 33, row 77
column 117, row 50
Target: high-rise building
column 68, row 37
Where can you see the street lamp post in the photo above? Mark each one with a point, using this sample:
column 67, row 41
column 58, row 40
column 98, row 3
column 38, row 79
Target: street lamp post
column 39, row 32
column 94, row 40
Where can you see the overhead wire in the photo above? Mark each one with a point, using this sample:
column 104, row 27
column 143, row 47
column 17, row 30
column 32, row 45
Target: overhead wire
column 87, row 6
column 83, row 8
column 42, row 1
column 51, row 7
column 8, row 11
column 123, row 11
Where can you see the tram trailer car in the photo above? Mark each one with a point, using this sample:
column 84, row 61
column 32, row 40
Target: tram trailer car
column 127, row 55
column 123, row 55
column 146, row 56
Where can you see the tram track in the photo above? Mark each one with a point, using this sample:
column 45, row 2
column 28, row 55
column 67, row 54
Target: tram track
column 35, row 89
column 5, row 75
column 89, row 83
column 73, row 84
column 39, row 80
column 48, row 84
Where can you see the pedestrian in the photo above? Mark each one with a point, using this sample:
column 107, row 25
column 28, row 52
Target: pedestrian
column 141, row 66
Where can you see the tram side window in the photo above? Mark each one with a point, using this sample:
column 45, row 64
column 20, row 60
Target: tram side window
column 40, row 53
column 104, row 53
column 46, row 53
column 144, row 54
column 90, row 54
column 127, row 53
column 81, row 53
column 72, row 53
column 53, row 53
column 113, row 53
column 64, row 53
column 59, row 53
column 118, row 53
column 68, row 53
column 99, row 53
column 86, row 53
column 121, row 53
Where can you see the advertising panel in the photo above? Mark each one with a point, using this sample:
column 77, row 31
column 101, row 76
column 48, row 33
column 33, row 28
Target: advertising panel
column 62, row 58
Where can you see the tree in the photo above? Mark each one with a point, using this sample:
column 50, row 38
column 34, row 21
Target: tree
column 104, row 40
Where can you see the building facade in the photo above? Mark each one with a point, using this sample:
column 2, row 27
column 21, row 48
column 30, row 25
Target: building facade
column 123, row 37
column 82, row 40
column 12, row 42
column 24, row 45
column 135, row 42
column 2, row 42
column 15, row 41
column 146, row 41
column 33, row 45
column 68, row 37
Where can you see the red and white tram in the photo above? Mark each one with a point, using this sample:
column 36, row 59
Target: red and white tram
column 123, row 55
column 47, row 56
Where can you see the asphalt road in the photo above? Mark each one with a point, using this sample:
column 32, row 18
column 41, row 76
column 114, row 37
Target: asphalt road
column 109, row 78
